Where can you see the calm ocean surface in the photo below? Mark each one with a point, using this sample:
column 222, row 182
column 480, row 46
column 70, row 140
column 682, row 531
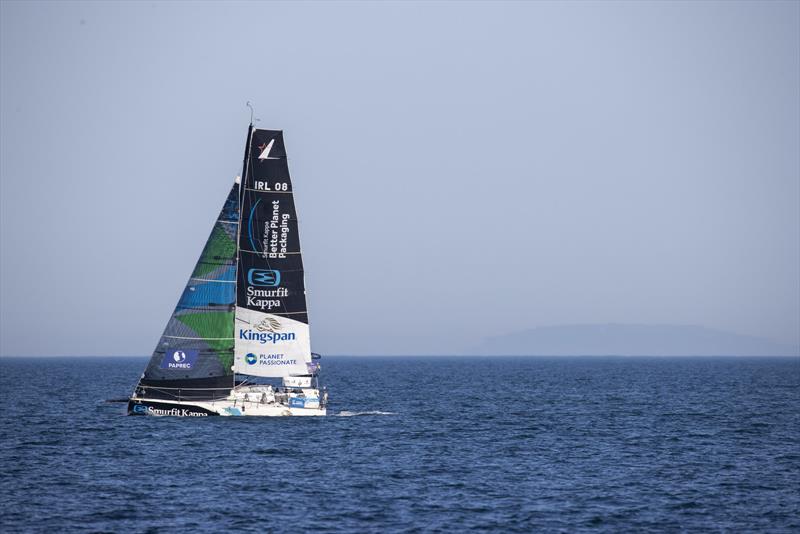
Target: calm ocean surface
column 415, row 444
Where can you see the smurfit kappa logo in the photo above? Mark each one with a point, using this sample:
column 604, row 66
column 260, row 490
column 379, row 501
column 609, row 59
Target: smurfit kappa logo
column 264, row 277
column 251, row 359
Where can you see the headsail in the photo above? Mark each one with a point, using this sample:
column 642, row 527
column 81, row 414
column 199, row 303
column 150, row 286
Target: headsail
column 271, row 326
column 195, row 353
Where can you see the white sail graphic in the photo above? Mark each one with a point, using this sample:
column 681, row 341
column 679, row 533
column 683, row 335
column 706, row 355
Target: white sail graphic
column 270, row 345
column 266, row 150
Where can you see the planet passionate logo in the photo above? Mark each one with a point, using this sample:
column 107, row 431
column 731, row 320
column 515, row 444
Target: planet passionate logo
column 251, row 359
column 266, row 337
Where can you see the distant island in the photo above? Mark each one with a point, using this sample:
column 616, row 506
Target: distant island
column 630, row 340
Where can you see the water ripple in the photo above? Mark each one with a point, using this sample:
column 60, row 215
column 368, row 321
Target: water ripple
column 418, row 445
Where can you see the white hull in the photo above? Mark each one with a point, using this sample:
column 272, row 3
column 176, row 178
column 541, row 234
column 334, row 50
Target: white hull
column 247, row 401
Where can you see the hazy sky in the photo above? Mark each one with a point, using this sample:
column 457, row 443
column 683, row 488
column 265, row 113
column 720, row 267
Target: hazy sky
column 461, row 170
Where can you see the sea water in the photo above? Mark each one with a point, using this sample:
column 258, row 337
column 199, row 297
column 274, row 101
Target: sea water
column 415, row 445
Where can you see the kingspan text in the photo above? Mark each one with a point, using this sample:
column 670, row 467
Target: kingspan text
column 264, row 337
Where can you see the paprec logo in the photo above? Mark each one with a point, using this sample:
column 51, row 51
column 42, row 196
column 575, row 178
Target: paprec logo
column 179, row 359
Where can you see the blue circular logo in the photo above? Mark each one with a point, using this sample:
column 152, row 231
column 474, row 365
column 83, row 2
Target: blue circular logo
column 251, row 358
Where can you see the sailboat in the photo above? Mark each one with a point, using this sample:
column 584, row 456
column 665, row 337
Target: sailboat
column 238, row 342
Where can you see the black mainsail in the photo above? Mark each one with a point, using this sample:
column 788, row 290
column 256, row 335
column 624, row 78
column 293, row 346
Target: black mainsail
column 271, row 324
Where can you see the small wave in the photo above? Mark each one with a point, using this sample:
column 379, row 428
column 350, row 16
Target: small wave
column 346, row 413
column 271, row 452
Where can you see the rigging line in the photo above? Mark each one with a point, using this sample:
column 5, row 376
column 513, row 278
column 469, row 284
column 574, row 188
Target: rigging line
column 252, row 111
column 297, row 233
column 250, row 224
column 270, row 313
column 201, row 352
column 208, row 280
column 268, row 192
column 257, row 252
column 164, row 388
column 206, row 338
column 269, row 220
column 240, row 197
column 211, row 308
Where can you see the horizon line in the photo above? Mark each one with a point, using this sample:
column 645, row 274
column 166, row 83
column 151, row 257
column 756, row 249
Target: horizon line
column 5, row 356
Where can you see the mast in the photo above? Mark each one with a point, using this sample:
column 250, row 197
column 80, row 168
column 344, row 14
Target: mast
column 242, row 179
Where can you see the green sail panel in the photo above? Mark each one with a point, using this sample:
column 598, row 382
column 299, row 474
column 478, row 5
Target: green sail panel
column 219, row 250
column 195, row 352
column 216, row 329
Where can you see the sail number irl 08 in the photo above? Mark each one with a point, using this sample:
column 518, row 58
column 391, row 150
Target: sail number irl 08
column 264, row 186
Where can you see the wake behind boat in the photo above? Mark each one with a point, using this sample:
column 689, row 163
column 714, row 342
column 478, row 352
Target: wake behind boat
column 238, row 341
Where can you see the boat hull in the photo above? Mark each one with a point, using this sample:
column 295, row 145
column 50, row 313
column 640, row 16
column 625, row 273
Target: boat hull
column 223, row 407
